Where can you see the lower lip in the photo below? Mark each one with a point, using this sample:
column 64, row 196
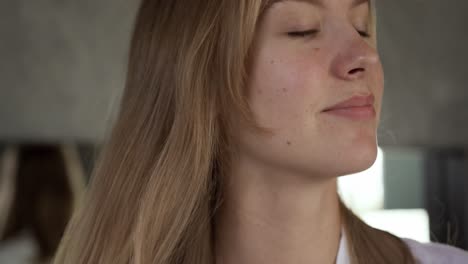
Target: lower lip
column 354, row 113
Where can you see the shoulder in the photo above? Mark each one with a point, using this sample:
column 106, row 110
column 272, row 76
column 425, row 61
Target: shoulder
column 432, row 253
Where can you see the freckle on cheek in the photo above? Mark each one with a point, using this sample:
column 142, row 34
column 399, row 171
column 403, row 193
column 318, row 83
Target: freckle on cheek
column 272, row 62
column 285, row 90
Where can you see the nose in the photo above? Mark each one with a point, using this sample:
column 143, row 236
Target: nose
column 355, row 59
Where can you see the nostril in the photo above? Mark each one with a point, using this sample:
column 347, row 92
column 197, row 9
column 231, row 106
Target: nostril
column 356, row 70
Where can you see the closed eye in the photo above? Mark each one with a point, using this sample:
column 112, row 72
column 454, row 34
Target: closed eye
column 363, row 34
column 301, row 34
column 313, row 32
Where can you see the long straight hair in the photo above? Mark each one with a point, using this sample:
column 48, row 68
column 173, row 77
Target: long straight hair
column 156, row 185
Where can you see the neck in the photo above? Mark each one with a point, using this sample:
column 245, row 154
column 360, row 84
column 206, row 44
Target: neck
column 272, row 217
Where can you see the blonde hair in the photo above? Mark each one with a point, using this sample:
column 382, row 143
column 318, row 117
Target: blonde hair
column 157, row 182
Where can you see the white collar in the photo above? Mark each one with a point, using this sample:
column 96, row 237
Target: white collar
column 343, row 256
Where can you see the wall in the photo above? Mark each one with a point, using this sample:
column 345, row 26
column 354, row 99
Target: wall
column 423, row 45
column 62, row 66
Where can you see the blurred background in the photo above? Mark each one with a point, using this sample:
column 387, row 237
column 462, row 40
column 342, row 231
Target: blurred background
column 62, row 70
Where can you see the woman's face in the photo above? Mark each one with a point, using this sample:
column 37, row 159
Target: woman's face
column 310, row 55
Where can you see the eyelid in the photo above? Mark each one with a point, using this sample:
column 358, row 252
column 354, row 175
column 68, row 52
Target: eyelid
column 313, row 32
column 305, row 33
column 364, row 33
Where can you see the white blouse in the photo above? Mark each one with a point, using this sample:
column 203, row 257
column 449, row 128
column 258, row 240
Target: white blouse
column 424, row 253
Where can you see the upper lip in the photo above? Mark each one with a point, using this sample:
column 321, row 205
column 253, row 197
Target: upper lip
column 355, row 101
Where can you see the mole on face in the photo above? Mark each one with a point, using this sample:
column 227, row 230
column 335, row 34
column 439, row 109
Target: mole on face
column 288, row 142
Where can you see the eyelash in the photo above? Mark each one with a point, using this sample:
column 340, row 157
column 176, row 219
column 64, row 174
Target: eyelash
column 301, row 34
column 313, row 32
column 364, row 34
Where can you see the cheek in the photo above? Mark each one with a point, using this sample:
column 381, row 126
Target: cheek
column 284, row 89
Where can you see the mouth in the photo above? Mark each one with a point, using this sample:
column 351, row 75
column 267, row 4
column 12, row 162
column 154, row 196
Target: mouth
column 356, row 113
column 355, row 108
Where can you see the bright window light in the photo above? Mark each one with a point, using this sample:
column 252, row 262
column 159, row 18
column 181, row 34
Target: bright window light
column 365, row 190
column 364, row 193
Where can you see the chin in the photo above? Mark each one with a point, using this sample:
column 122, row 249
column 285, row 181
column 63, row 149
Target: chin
column 340, row 161
column 350, row 160
column 360, row 159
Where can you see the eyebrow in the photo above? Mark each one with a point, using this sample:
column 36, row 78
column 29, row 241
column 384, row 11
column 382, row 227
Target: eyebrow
column 319, row 3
